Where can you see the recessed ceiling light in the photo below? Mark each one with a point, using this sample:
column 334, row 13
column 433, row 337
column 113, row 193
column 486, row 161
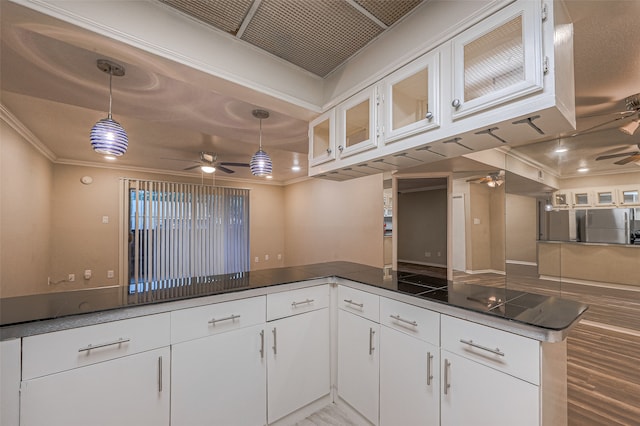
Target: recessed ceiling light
column 295, row 168
column 269, row 177
column 561, row 149
column 110, row 157
column 583, row 169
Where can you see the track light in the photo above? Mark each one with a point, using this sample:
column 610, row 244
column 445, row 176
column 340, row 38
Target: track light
column 107, row 135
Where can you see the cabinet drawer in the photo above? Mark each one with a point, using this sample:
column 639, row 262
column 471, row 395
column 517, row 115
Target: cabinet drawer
column 515, row 355
column 293, row 302
column 418, row 322
column 359, row 302
column 64, row 350
column 194, row 323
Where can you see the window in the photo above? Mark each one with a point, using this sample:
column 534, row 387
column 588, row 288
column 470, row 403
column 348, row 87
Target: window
column 179, row 233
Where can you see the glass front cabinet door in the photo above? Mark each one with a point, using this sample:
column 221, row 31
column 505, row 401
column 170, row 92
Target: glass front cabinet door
column 411, row 101
column 357, row 123
column 322, row 138
column 498, row 60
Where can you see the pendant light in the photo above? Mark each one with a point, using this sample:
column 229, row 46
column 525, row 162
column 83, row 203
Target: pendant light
column 260, row 163
column 107, row 135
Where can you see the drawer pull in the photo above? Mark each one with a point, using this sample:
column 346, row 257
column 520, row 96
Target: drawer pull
column 351, row 302
column 495, row 351
column 275, row 343
column 304, row 302
column 446, row 385
column 231, row 317
column 429, row 373
column 261, row 343
column 399, row 318
column 159, row 374
column 104, row 345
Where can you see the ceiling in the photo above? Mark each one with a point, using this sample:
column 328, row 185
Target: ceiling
column 51, row 84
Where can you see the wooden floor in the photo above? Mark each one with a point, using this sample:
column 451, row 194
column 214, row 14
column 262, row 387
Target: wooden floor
column 603, row 351
column 331, row 415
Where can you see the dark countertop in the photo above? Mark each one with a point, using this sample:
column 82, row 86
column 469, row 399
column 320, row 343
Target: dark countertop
column 544, row 312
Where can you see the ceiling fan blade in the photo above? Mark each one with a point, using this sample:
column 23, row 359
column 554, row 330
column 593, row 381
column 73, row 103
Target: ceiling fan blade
column 224, row 169
column 630, row 159
column 622, row 113
column 225, row 163
column 622, row 154
column 192, row 167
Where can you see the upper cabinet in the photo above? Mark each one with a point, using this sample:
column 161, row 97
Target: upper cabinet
column 498, row 60
column 411, row 98
column 357, row 123
column 322, row 138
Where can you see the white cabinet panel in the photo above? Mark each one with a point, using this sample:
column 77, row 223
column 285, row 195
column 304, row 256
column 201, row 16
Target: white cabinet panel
column 10, row 382
column 409, row 380
column 358, row 363
column 322, row 138
column 412, row 320
column 357, row 124
column 64, row 350
column 220, row 380
column 299, row 301
column 474, row 394
column 193, row 323
column 359, row 302
column 298, row 362
column 507, row 352
column 132, row 390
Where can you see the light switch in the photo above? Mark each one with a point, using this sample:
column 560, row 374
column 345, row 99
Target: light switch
column 476, row 221
column 105, row 219
column 110, row 274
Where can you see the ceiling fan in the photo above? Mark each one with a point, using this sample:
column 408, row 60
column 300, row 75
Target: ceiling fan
column 632, row 105
column 630, row 157
column 209, row 163
column 492, row 179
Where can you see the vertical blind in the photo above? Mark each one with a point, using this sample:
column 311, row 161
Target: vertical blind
column 179, row 233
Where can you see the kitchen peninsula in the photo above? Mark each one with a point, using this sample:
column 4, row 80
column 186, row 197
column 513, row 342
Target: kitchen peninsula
column 458, row 346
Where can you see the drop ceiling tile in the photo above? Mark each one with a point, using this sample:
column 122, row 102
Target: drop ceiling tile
column 226, row 15
column 388, row 11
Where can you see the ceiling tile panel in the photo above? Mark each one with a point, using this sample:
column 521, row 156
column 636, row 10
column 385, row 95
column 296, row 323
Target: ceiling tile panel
column 226, row 15
column 388, row 11
column 315, row 35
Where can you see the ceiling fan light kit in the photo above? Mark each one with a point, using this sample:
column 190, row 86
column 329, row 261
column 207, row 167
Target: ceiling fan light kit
column 107, row 136
column 633, row 104
column 260, row 163
column 631, row 127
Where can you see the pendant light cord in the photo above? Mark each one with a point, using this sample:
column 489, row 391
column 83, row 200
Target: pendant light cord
column 110, row 96
column 260, row 139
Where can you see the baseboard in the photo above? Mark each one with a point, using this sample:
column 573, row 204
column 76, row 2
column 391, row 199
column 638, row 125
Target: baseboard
column 521, row 262
column 484, row 271
column 437, row 265
column 625, row 287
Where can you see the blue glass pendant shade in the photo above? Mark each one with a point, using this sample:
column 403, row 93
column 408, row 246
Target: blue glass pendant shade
column 108, row 137
column 261, row 164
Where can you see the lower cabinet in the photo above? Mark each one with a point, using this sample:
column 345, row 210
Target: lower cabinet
column 298, row 362
column 132, row 390
column 359, row 363
column 409, row 380
column 220, row 379
column 474, row 394
column 10, row 368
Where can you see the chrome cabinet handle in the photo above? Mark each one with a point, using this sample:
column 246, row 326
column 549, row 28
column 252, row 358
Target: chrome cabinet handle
column 159, row 374
column 275, row 344
column 231, row 317
column 447, row 385
column 261, row 343
column 428, row 115
column 306, row 301
column 340, row 148
column 456, row 103
column 351, row 302
column 399, row 318
column 429, row 372
column 328, row 150
column 371, row 348
column 104, row 345
column 495, row 351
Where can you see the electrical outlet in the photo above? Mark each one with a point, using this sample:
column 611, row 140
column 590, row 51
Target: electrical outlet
column 427, row 254
column 266, row 257
column 279, row 256
column 257, row 259
column 110, row 274
column 71, row 278
column 87, row 274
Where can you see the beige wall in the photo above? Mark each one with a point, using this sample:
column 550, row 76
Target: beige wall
column 25, row 211
column 422, row 227
column 329, row 221
column 486, row 228
column 521, row 228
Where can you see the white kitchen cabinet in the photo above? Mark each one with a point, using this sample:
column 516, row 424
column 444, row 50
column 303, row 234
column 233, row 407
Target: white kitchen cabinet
column 359, row 363
column 357, row 123
column 10, row 367
column 322, row 138
column 298, row 361
column 132, row 390
column 220, row 380
column 498, row 60
column 409, row 365
column 412, row 98
column 474, row 394
column 409, row 380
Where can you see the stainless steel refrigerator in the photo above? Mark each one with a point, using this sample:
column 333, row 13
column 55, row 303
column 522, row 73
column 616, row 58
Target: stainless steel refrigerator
column 604, row 225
